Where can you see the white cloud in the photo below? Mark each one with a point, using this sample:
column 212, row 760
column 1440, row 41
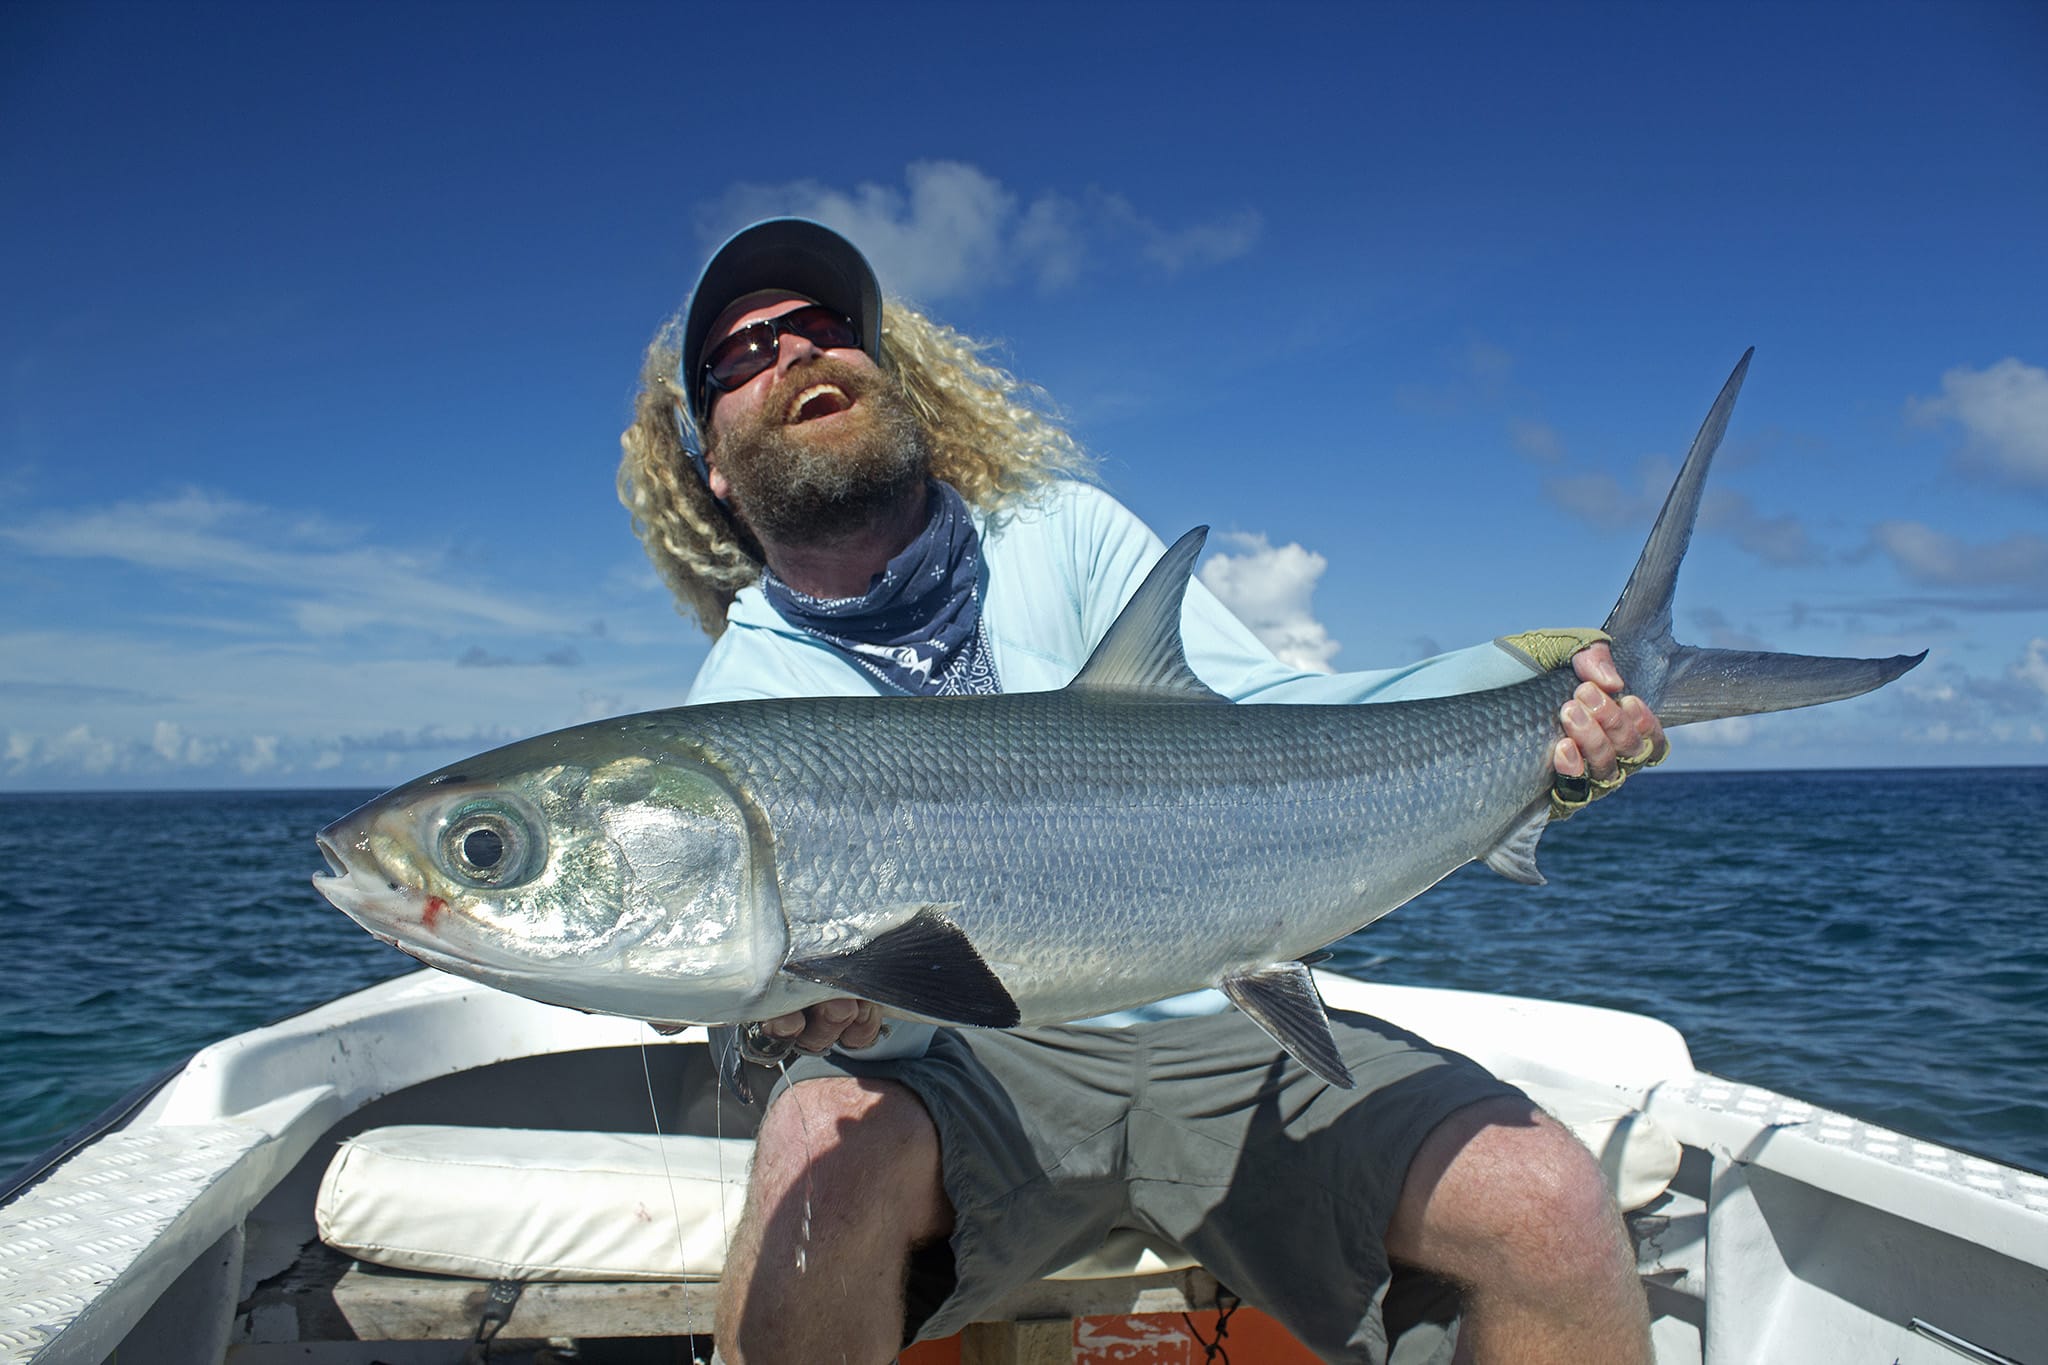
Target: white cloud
column 1177, row 249
column 84, row 751
column 1730, row 732
column 1538, row 440
column 325, row 581
column 1777, row 540
column 1490, row 364
column 2032, row 668
column 2003, row 411
column 167, row 741
column 1053, row 235
column 260, row 756
column 953, row 228
column 941, row 236
column 357, row 711
column 597, row 706
column 79, row 749
column 1268, row 587
column 1933, row 557
column 1610, row 505
column 1721, row 633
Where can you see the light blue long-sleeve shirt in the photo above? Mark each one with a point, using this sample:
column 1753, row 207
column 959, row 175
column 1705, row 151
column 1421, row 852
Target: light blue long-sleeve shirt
column 1054, row 577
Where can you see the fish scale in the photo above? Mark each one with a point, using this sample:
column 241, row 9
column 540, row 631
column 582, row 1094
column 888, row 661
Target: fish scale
column 1061, row 830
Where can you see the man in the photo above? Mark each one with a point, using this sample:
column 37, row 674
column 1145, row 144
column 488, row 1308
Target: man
column 876, row 509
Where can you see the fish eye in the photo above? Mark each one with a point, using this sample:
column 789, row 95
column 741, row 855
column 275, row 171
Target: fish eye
column 483, row 848
column 488, row 846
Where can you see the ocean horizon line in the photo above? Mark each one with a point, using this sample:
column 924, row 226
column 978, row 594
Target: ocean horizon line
column 309, row 789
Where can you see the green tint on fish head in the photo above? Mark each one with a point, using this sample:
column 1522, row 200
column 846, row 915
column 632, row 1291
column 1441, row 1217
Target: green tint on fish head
column 626, row 884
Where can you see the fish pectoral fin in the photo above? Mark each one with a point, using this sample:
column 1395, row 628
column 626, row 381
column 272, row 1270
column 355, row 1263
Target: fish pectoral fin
column 1283, row 1000
column 925, row 965
column 1514, row 857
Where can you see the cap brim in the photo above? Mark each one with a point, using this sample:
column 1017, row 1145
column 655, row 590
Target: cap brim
column 782, row 253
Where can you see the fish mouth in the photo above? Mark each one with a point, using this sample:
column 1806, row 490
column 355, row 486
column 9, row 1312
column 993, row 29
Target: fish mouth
column 407, row 917
column 819, row 400
column 336, row 867
column 376, row 903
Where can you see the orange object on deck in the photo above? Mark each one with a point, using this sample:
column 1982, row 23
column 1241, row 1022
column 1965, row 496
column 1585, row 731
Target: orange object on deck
column 1251, row 1338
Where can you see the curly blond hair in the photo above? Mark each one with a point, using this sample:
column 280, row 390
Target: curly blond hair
column 994, row 438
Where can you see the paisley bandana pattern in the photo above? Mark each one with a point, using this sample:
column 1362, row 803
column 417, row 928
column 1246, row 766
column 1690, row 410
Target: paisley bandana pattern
column 918, row 627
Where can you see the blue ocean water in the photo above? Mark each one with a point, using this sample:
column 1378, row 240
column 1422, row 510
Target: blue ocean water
column 1872, row 941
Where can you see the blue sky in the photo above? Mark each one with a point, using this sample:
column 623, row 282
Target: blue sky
column 322, row 321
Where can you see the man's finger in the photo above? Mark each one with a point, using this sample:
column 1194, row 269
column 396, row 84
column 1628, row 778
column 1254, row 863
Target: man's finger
column 1590, row 737
column 1612, row 718
column 865, row 1028
column 1595, row 664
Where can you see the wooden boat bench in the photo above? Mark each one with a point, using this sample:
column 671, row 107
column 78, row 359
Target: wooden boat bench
column 613, row 1235
column 330, row 1296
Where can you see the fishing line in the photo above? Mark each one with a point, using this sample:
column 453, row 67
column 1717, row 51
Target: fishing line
column 675, row 1210
column 810, row 1163
column 718, row 1133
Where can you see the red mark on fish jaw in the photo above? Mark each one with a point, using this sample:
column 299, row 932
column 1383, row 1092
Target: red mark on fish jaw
column 431, row 911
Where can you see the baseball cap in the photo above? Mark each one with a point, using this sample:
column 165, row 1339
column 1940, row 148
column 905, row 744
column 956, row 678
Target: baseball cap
column 781, row 253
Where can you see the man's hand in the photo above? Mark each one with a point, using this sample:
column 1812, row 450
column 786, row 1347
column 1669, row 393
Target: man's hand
column 1607, row 735
column 849, row 1023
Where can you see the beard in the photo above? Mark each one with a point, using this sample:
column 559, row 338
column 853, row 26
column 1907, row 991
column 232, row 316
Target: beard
column 797, row 482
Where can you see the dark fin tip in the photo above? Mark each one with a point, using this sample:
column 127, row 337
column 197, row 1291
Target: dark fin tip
column 925, row 965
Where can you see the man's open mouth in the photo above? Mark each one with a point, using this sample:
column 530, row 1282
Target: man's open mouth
column 819, row 400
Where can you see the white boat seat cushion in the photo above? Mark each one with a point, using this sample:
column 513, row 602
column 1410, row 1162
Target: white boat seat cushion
column 526, row 1204
column 515, row 1203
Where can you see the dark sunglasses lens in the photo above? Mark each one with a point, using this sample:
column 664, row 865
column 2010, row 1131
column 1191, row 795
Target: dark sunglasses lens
column 821, row 327
column 752, row 349
column 741, row 356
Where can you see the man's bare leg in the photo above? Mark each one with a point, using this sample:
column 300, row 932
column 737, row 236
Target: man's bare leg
column 1505, row 1202
column 859, row 1161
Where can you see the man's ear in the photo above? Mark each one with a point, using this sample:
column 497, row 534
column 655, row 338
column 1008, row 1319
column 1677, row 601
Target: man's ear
column 715, row 480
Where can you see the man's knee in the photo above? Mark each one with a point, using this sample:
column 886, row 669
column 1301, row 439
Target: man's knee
column 845, row 1135
column 845, row 1185
column 1499, row 1185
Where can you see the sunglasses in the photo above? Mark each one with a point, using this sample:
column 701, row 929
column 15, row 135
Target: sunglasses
column 753, row 348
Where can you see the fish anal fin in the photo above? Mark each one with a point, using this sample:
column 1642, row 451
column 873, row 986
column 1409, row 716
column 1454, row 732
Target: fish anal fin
column 1142, row 654
column 925, row 965
column 1282, row 999
column 1514, row 857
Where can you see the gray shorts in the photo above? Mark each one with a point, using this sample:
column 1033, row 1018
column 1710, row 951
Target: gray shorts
column 1198, row 1130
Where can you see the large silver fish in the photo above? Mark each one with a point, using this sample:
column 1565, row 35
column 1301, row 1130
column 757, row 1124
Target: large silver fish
column 1019, row 859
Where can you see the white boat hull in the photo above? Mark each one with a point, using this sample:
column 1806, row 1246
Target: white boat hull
column 1790, row 1234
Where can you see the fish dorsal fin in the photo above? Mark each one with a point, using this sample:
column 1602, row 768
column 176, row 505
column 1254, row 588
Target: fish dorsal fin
column 1142, row 653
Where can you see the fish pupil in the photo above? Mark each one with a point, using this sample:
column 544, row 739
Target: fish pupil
column 483, row 848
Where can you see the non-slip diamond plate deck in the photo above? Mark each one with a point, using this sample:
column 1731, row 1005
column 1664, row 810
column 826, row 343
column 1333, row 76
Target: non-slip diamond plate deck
column 67, row 1238
column 1771, row 1109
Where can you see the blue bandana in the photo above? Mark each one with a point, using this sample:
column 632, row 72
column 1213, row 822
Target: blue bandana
column 918, row 627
